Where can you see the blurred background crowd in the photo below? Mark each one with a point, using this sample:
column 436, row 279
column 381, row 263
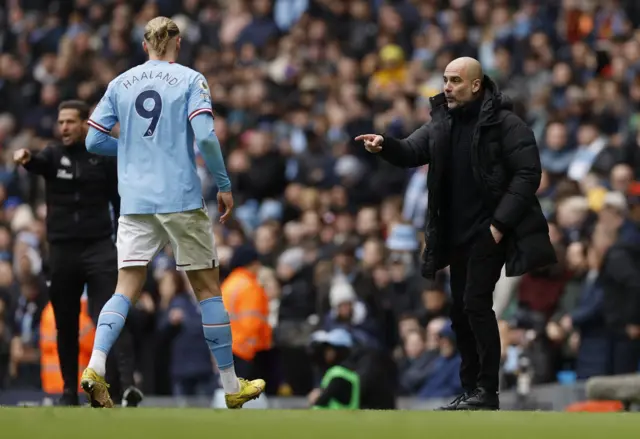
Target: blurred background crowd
column 338, row 232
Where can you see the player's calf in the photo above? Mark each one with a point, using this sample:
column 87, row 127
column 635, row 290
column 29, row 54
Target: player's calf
column 114, row 314
column 216, row 325
column 217, row 332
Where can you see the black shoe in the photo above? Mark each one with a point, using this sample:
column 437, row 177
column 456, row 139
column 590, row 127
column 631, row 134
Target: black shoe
column 453, row 405
column 480, row 399
column 132, row 397
column 69, row 399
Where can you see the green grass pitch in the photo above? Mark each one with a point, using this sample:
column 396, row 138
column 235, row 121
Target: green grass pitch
column 85, row 423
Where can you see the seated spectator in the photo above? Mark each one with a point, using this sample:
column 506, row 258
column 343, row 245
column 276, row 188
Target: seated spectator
column 191, row 364
column 5, row 346
column 435, row 303
column 349, row 313
column 588, row 319
column 443, row 381
column 24, row 365
column 414, row 368
column 269, row 281
column 297, row 300
column 407, row 324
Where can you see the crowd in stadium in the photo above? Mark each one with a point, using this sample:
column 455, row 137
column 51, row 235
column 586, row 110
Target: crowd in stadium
column 339, row 232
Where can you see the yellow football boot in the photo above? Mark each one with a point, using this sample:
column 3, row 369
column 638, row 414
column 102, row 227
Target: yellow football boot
column 96, row 389
column 249, row 390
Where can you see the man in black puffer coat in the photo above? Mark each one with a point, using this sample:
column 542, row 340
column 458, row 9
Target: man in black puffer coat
column 484, row 171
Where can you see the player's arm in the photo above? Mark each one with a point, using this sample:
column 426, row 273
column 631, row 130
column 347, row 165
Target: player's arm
column 112, row 188
column 99, row 141
column 211, row 151
column 40, row 163
column 201, row 119
column 410, row 152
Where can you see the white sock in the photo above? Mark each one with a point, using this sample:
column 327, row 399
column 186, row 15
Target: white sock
column 98, row 362
column 230, row 382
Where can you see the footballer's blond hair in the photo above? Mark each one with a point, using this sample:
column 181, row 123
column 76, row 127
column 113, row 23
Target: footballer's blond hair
column 159, row 32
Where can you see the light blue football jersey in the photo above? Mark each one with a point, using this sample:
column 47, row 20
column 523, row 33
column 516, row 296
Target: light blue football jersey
column 154, row 103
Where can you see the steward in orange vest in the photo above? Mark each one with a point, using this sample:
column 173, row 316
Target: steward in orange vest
column 248, row 306
column 52, row 382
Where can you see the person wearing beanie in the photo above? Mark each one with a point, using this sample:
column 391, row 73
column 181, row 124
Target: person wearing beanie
column 248, row 306
column 244, row 256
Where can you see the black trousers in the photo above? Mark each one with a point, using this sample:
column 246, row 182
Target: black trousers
column 624, row 354
column 475, row 268
column 72, row 265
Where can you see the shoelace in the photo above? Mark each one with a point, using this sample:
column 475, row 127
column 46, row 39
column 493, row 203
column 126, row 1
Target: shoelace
column 473, row 393
column 459, row 399
column 465, row 396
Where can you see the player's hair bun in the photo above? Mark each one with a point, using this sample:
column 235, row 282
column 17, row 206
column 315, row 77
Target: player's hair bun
column 159, row 32
column 162, row 32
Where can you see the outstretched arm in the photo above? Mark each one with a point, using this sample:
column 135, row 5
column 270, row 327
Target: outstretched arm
column 410, row 152
column 40, row 163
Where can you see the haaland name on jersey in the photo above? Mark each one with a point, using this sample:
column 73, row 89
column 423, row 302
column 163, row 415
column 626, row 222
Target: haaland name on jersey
column 166, row 77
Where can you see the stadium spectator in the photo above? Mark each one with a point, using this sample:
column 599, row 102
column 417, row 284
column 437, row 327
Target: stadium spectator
column 180, row 326
column 415, row 366
column 352, row 376
column 443, row 379
column 621, row 283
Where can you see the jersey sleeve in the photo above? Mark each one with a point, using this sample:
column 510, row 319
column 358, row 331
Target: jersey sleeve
column 199, row 97
column 104, row 116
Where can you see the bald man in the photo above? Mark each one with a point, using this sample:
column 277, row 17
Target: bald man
column 484, row 170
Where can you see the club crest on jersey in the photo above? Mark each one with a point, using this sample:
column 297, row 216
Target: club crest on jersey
column 64, row 174
column 205, row 94
column 64, row 161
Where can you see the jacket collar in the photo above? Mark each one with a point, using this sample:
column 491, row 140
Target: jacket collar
column 492, row 101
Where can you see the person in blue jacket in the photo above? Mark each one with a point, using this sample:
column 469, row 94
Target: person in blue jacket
column 443, row 379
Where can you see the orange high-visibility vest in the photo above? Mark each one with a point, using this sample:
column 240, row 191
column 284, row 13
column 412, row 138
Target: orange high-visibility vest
column 51, row 376
column 248, row 308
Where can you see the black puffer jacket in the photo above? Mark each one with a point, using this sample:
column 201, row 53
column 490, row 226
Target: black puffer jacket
column 506, row 166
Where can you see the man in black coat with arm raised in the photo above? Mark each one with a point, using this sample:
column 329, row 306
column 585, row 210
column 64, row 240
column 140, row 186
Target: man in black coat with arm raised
column 484, row 171
column 80, row 187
